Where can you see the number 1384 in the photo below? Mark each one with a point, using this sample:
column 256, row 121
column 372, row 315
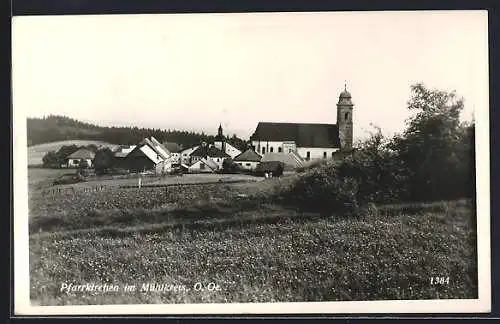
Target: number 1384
column 440, row 280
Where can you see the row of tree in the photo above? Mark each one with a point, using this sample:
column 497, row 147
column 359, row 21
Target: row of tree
column 58, row 128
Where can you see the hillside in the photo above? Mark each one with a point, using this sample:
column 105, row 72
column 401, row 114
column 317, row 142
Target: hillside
column 61, row 128
column 36, row 152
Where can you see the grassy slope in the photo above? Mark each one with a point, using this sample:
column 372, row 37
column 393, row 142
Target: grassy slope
column 36, row 152
column 253, row 252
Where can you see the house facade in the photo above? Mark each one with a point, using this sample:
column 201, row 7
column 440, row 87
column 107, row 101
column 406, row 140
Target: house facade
column 248, row 160
column 73, row 160
column 310, row 141
column 210, row 153
column 148, row 155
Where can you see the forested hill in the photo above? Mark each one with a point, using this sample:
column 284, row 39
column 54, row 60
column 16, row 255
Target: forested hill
column 60, row 128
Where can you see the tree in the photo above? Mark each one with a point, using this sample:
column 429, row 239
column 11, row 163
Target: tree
column 103, row 160
column 229, row 166
column 432, row 146
column 51, row 159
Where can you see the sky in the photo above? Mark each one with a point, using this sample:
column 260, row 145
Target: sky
column 194, row 71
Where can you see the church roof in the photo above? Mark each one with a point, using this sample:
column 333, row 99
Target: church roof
column 304, row 135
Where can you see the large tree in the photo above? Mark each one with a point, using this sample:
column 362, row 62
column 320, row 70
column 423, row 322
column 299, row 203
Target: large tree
column 103, row 160
column 433, row 146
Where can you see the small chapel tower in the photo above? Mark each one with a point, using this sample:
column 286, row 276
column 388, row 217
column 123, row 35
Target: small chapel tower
column 219, row 140
column 344, row 119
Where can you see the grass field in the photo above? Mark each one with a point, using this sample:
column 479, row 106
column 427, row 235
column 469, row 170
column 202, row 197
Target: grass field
column 253, row 250
column 36, row 152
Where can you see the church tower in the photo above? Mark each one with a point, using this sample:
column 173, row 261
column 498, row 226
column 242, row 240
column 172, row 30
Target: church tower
column 344, row 119
column 219, row 140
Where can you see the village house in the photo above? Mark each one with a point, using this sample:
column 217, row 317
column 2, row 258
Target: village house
column 175, row 152
column 186, row 155
column 203, row 165
column 120, row 153
column 248, row 160
column 209, row 152
column 291, row 160
column 73, row 160
column 148, row 155
column 310, row 141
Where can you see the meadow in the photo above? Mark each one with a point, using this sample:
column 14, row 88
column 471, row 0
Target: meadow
column 36, row 152
column 242, row 246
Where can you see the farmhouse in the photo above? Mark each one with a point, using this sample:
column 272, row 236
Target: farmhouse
column 248, row 160
column 175, row 152
column 73, row 160
column 148, row 155
column 209, row 152
column 309, row 141
column 203, row 165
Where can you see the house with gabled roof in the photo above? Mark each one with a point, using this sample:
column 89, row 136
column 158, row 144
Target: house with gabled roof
column 209, row 152
column 204, row 165
column 175, row 151
column 74, row 159
column 248, row 160
column 148, row 155
column 308, row 140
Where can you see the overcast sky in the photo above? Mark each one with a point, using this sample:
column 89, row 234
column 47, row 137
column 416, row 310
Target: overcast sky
column 192, row 71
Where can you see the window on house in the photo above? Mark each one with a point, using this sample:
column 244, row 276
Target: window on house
column 324, row 155
column 217, row 159
column 240, row 163
column 289, row 150
column 76, row 161
column 346, row 116
column 248, row 164
column 333, row 153
column 271, row 149
column 308, row 155
column 202, row 166
column 279, row 149
column 263, row 150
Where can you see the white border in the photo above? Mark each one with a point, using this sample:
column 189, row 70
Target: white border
column 482, row 304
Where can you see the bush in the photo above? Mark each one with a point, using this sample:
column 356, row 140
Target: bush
column 324, row 190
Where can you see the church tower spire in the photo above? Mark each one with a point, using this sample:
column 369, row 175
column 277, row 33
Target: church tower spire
column 344, row 119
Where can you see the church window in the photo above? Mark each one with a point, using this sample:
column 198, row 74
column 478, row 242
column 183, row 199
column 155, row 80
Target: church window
column 346, row 116
column 263, row 150
column 279, row 149
column 308, row 156
column 271, row 149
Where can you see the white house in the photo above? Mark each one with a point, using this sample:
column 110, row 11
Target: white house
column 310, row 141
column 203, row 165
column 209, row 152
column 73, row 160
column 186, row 154
column 175, row 152
column 248, row 160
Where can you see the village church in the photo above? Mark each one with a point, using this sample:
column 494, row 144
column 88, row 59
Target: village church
column 310, row 141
